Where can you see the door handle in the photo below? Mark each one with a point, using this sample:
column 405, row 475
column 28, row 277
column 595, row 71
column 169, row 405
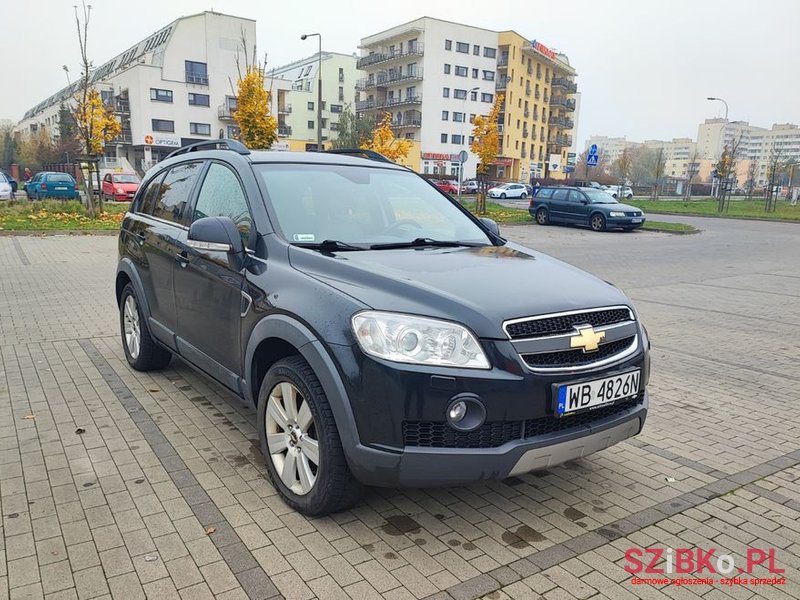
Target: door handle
column 182, row 257
column 140, row 236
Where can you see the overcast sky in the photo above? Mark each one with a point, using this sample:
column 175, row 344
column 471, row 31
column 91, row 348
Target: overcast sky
column 645, row 67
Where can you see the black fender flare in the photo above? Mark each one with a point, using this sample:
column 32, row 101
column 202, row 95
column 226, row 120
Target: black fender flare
column 127, row 267
column 297, row 334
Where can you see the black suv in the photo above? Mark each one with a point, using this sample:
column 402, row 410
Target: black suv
column 385, row 335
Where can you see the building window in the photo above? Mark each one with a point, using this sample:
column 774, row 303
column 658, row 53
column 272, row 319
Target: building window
column 448, row 44
column 473, row 96
column 199, row 99
column 476, row 50
column 409, row 136
column 445, row 115
column 459, row 94
column 447, row 69
column 462, row 47
column 200, row 128
column 443, row 138
column 487, row 97
column 196, row 72
column 163, row 125
column 160, row 95
column 489, row 52
column 488, row 75
column 474, row 73
column 341, row 75
column 336, row 108
column 458, row 117
column 471, row 139
column 456, row 139
column 310, row 106
column 311, row 124
column 445, row 92
column 461, row 71
column 472, row 117
column 334, row 126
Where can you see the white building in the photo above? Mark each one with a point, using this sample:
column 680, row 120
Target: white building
column 173, row 88
column 339, row 75
column 433, row 76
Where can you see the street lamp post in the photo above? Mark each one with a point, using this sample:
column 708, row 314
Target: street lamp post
column 725, row 103
column 305, row 36
column 464, row 118
column 723, row 135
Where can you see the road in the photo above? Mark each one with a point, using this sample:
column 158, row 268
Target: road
column 124, row 508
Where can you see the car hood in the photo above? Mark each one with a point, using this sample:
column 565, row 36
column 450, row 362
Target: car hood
column 619, row 206
column 479, row 287
column 128, row 187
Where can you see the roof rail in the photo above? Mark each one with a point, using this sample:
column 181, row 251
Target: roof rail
column 220, row 144
column 370, row 154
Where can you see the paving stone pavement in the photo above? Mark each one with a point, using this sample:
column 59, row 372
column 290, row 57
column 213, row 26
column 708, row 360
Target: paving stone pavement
column 121, row 484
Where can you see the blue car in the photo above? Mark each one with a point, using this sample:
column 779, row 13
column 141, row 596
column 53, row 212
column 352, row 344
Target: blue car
column 52, row 185
column 583, row 206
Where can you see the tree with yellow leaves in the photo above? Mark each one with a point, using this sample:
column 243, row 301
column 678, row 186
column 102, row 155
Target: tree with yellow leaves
column 257, row 128
column 94, row 121
column 486, row 144
column 383, row 141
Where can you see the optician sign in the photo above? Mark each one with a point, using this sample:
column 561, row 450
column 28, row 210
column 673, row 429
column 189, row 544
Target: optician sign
column 438, row 156
column 162, row 140
column 539, row 47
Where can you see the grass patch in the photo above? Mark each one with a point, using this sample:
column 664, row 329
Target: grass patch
column 664, row 226
column 501, row 214
column 753, row 209
column 55, row 215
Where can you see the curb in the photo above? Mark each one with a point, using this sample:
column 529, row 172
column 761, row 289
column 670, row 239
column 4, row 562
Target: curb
column 55, row 232
column 672, row 231
column 726, row 216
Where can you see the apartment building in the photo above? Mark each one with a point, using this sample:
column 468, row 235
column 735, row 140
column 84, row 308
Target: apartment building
column 436, row 76
column 298, row 116
column 170, row 89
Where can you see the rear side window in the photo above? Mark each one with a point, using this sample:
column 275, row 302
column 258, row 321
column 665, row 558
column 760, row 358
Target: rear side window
column 560, row 194
column 222, row 196
column 151, row 195
column 175, row 192
column 544, row 193
column 575, row 196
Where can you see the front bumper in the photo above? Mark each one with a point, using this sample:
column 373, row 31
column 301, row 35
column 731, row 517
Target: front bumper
column 626, row 222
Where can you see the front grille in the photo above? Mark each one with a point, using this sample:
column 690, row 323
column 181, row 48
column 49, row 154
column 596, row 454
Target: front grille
column 430, row 434
column 576, row 357
column 563, row 324
column 633, row 214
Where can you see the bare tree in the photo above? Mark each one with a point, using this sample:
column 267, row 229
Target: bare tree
column 658, row 166
column 726, row 167
column 777, row 165
column 751, row 179
column 622, row 168
column 692, row 169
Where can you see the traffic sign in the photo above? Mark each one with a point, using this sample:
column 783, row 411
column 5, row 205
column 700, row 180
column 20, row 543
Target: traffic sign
column 591, row 160
column 463, row 156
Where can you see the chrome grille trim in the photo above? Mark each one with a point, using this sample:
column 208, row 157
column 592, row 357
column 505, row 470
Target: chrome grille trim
column 564, row 314
column 594, row 365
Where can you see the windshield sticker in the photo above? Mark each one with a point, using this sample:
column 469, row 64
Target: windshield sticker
column 303, row 237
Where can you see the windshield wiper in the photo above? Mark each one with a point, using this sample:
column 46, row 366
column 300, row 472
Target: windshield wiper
column 330, row 246
column 419, row 242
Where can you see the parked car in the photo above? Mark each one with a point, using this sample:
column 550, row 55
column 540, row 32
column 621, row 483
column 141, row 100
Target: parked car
column 48, row 184
column 469, row 187
column 11, row 181
column 446, row 186
column 619, row 191
column 6, row 191
column 587, row 184
column 120, row 186
column 509, row 190
column 409, row 373
column 583, row 206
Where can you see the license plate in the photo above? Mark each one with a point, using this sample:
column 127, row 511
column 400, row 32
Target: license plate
column 592, row 394
column 60, row 188
column 636, row 220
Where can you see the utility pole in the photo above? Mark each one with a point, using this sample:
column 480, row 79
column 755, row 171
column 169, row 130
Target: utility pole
column 305, row 36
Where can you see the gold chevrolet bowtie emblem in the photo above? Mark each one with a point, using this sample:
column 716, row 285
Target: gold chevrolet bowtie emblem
column 587, row 338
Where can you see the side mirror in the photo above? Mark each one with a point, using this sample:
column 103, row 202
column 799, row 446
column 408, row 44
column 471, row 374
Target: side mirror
column 491, row 225
column 217, row 234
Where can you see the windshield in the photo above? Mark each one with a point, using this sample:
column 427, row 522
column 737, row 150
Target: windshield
column 598, row 197
column 3, row 178
column 361, row 205
column 126, row 179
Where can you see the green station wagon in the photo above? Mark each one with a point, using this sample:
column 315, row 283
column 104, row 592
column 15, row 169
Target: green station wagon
column 583, row 206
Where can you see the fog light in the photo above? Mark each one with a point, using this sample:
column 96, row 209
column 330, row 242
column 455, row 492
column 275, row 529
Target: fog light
column 457, row 411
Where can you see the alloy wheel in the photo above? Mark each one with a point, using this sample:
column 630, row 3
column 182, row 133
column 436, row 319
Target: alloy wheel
column 291, row 438
column 133, row 332
column 598, row 223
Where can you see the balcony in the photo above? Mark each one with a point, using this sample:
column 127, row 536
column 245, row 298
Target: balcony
column 523, row 153
column 123, row 138
column 502, row 83
column 364, row 105
column 563, row 103
column 560, row 141
column 528, row 90
column 525, row 132
column 407, row 124
column 565, row 83
column 530, row 70
column 537, row 95
column 225, row 112
column 502, row 61
column 286, row 109
column 526, row 113
column 387, row 79
column 381, row 57
column 562, row 122
column 284, row 130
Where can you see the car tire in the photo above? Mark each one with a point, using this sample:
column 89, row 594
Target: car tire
column 542, row 216
column 597, row 222
column 503, row 196
column 286, row 441
column 523, row 196
column 629, row 196
column 141, row 350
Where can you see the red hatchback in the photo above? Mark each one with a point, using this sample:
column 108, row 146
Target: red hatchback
column 120, row 186
column 446, row 186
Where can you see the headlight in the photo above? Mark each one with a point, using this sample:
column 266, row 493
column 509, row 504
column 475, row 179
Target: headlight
column 614, row 213
column 417, row 340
